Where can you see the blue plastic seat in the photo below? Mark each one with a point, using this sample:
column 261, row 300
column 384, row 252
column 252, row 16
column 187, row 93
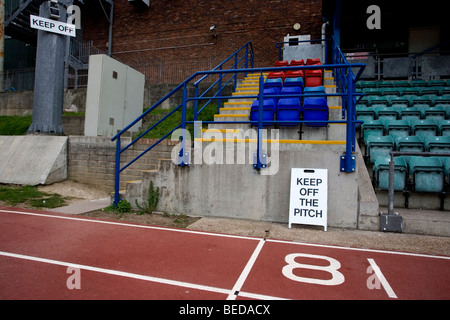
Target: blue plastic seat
column 271, row 92
column 289, row 109
column 315, row 109
column 314, row 90
column 291, row 90
column 268, row 111
column 273, row 83
column 294, row 82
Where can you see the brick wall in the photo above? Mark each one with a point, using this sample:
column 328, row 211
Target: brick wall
column 178, row 30
column 91, row 160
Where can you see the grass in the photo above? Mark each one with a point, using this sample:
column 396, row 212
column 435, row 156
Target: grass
column 31, row 196
column 14, row 125
column 18, row 125
column 175, row 119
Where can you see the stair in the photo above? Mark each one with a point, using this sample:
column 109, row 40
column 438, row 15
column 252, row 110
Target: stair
column 17, row 22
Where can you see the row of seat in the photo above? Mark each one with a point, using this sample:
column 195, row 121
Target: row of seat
column 377, row 146
column 403, row 83
column 408, row 100
column 417, row 174
column 287, row 109
column 311, row 78
column 414, row 127
column 404, row 91
column 403, row 113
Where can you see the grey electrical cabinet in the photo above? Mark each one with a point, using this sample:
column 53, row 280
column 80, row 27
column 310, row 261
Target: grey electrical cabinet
column 115, row 96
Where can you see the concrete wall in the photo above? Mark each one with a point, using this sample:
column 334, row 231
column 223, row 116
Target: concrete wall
column 239, row 191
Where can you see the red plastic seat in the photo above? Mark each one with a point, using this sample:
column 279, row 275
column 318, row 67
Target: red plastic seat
column 283, row 63
column 297, row 63
column 294, row 74
column 313, row 78
column 275, row 75
column 311, row 62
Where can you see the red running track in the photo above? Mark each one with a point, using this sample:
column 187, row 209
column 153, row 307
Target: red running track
column 54, row 256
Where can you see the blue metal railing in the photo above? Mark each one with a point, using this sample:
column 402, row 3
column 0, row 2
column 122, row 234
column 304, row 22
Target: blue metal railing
column 348, row 94
column 242, row 58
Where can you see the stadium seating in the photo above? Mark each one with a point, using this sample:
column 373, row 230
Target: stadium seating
column 313, row 78
column 283, row 63
column 294, row 82
column 268, row 111
column 277, row 75
column 289, row 109
column 315, row 109
column 378, row 146
column 427, row 174
column 274, row 83
column 381, row 173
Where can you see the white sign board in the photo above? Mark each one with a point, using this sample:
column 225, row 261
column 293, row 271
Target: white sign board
column 309, row 197
column 54, row 26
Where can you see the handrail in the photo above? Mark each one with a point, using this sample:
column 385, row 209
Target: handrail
column 348, row 94
column 244, row 56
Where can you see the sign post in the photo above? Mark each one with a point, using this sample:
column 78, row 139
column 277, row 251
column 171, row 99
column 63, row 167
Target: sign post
column 49, row 76
column 309, row 197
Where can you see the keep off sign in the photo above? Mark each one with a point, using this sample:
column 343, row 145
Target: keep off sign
column 54, row 26
column 309, row 197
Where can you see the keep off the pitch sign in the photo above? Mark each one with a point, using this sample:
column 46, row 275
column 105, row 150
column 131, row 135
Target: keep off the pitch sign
column 54, row 26
column 309, row 197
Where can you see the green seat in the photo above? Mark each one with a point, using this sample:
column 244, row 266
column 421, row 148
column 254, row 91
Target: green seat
column 410, row 113
column 367, row 84
column 436, row 113
column 401, row 83
column 423, row 128
column 364, row 113
column 437, row 144
column 384, row 112
column 418, row 83
column 436, row 83
column 414, row 91
column 427, row 174
column 372, row 128
column 374, row 101
column 396, row 128
column 371, row 92
column 443, row 127
column 446, row 163
column 378, row 147
column 398, row 101
column 381, row 173
column 391, row 92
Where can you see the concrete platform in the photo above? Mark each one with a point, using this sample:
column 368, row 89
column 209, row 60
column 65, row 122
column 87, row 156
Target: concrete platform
column 33, row 159
column 84, row 206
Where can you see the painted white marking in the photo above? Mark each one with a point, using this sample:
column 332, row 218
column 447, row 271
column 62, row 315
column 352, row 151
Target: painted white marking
column 382, row 279
column 240, row 282
column 337, row 277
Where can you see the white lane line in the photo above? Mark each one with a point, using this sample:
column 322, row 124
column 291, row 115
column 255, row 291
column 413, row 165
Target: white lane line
column 117, row 273
column 129, row 225
column 140, row 277
column 228, row 235
column 240, row 282
column 384, row 282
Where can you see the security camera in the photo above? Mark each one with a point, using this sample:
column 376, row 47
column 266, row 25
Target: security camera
column 213, row 28
column 54, row 9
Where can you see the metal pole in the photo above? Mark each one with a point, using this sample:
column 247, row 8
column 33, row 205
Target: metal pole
column 49, row 78
column 2, row 41
column 260, row 122
column 117, row 173
column 391, row 186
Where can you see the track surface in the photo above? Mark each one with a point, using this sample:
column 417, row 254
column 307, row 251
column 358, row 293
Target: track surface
column 55, row 256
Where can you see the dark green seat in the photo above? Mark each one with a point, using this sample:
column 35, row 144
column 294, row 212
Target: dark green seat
column 381, row 173
column 427, row 174
column 378, row 147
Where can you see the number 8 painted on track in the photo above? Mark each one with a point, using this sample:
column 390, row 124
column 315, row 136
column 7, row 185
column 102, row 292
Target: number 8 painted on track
column 337, row 277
